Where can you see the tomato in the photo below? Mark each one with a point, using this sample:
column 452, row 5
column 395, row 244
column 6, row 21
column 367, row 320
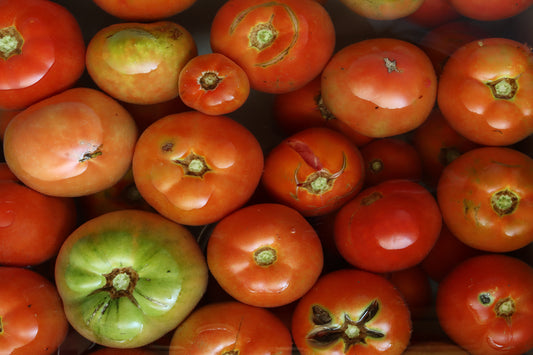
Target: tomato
column 491, row 10
column 128, row 277
column 42, row 51
column 383, row 9
column 486, row 200
column 5, row 117
column 142, row 10
column 390, row 158
column 484, row 305
column 315, row 171
column 32, row 320
column 380, row 87
column 485, row 91
column 265, row 255
column 281, row 45
column 27, row 234
column 145, row 115
column 74, row 143
column 231, row 328
column 6, row 174
column 388, row 227
column 351, row 312
column 194, row 168
column 433, row 13
column 115, row 351
column 140, row 63
column 213, row 84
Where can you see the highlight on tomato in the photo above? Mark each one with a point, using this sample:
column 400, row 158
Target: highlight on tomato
column 144, row 10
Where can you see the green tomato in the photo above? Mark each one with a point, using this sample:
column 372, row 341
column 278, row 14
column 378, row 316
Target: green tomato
column 128, row 277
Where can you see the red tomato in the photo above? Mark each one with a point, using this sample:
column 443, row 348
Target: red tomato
column 226, row 328
column 388, row 227
column 45, row 55
column 486, row 198
column 194, row 168
column 32, row 319
column 265, row 255
column 485, row 91
column 433, row 13
column 351, row 312
column 490, row 10
column 383, row 9
column 145, row 115
column 74, row 143
column 281, row 45
column 485, row 305
column 315, row 171
column 380, row 87
column 5, row 117
column 213, row 84
column 144, row 10
column 6, row 174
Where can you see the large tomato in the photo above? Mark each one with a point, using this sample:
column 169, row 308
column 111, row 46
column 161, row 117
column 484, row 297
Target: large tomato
column 383, row 9
column 282, row 45
column 194, row 168
column 351, row 312
column 486, row 198
column 127, row 278
column 42, row 51
column 490, row 10
column 485, row 305
column 144, row 10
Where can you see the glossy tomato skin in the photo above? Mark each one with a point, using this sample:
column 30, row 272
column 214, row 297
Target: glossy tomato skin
column 32, row 318
column 351, row 311
column 485, row 198
column 484, row 305
column 231, row 328
column 195, row 168
column 380, row 87
column 383, row 9
column 72, row 144
column 314, row 171
column 142, row 10
column 265, row 255
column 291, row 41
column 491, row 10
column 51, row 53
column 485, row 91
column 128, row 277
column 388, row 227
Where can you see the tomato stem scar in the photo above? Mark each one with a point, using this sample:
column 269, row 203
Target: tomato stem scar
column 504, row 88
column 11, row 42
column 504, row 202
column 265, row 256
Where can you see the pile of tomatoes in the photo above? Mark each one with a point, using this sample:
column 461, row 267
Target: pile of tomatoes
column 254, row 176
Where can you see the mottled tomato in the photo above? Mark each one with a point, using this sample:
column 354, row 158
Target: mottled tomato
column 42, row 51
column 490, row 10
column 213, row 84
column 315, row 171
column 225, row 328
column 265, row 255
column 388, row 227
column 195, row 168
column 485, row 305
column 383, row 9
column 32, row 320
column 144, row 10
column 485, row 91
column 486, row 198
column 281, row 45
column 351, row 312
column 380, row 87
column 433, row 13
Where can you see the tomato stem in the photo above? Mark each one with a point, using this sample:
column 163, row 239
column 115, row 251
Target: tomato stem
column 504, row 202
column 209, row 80
column 376, row 166
column 504, row 88
column 11, row 42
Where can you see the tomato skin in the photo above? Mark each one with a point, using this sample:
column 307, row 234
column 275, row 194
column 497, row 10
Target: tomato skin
column 52, row 57
column 32, row 318
column 434, row 347
column 388, row 227
column 115, row 351
column 141, row 10
column 491, row 10
column 383, row 9
column 221, row 327
column 484, row 305
column 238, row 241
column 468, row 96
column 485, row 196
column 380, row 87
column 350, row 293
column 433, row 13
column 304, row 40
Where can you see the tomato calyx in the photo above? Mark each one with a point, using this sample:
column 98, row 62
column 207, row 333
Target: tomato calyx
column 505, row 308
column 391, row 65
column 504, row 202
column 120, row 282
column 193, row 165
column 209, row 81
column 265, row 256
column 11, row 42
column 324, row 111
column 503, row 88
column 263, row 35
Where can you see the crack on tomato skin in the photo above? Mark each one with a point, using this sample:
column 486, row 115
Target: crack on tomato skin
column 324, row 110
column 469, row 206
column 94, row 152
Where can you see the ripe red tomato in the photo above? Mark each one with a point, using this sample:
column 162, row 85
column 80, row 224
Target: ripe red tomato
column 42, row 51
column 213, row 84
column 485, row 305
column 388, row 227
column 486, row 198
column 231, row 328
column 6, row 174
column 490, row 10
column 281, row 45
column 144, row 10
column 315, row 171
column 485, row 91
column 140, row 63
column 380, row 87
column 265, row 255
column 32, row 320
column 194, row 168
column 383, row 9
column 74, row 143
column 433, row 13
column 351, row 312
